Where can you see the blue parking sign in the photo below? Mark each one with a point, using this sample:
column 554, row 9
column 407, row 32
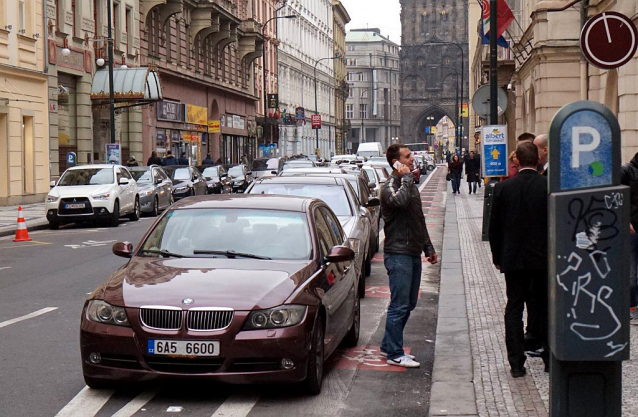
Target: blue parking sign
column 71, row 159
column 494, row 151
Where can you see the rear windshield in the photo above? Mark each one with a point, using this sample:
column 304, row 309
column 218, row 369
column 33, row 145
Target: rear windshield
column 87, row 176
column 211, row 172
column 333, row 195
column 141, row 175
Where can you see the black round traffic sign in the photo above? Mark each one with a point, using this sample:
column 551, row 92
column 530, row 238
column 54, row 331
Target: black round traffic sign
column 609, row 40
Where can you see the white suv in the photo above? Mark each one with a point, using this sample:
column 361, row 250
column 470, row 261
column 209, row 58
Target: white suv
column 93, row 192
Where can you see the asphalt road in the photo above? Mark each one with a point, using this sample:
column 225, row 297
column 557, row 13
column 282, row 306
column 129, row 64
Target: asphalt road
column 43, row 285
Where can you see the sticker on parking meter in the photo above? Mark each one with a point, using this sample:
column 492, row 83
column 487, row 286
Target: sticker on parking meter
column 586, row 154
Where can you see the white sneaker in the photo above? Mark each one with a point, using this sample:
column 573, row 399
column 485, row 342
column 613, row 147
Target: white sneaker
column 385, row 355
column 404, row 361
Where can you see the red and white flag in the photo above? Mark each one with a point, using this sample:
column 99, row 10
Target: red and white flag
column 505, row 17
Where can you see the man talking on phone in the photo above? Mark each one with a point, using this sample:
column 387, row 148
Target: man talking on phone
column 406, row 237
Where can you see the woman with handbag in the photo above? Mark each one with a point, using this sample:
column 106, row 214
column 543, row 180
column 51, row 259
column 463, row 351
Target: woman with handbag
column 472, row 172
column 455, row 170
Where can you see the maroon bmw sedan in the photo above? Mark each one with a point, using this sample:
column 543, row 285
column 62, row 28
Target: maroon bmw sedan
column 238, row 289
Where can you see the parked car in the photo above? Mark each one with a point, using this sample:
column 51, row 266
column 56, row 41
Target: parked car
column 312, row 170
column 298, row 163
column 374, row 177
column 187, row 181
column 342, row 199
column 229, row 309
column 382, row 167
column 154, row 188
column 217, row 179
column 241, row 176
column 93, row 192
column 370, row 150
column 267, row 166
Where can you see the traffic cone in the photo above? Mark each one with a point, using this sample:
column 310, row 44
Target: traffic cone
column 22, row 234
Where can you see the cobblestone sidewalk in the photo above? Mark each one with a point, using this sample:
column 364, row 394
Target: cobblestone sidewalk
column 497, row 393
column 33, row 215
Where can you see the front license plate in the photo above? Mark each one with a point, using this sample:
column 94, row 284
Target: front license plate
column 74, row 206
column 182, row 348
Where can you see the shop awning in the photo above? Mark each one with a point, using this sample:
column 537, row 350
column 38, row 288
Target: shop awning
column 130, row 85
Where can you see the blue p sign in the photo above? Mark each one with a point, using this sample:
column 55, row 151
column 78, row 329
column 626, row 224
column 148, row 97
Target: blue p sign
column 71, row 159
column 586, row 134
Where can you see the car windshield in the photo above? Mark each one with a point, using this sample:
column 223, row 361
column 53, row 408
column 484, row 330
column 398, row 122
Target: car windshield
column 193, row 232
column 298, row 164
column 87, row 176
column 211, row 172
column 142, row 175
column 179, row 174
column 334, row 196
column 236, row 171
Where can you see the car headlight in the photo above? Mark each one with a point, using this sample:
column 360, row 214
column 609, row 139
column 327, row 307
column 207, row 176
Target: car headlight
column 145, row 193
column 282, row 316
column 104, row 196
column 52, row 199
column 102, row 312
column 354, row 244
column 180, row 189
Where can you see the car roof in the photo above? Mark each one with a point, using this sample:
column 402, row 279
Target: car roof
column 314, row 170
column 246, row 201
column 318, row 180
column 96, row 166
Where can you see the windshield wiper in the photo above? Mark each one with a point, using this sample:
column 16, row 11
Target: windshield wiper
column 163, row 252
column 230, row 254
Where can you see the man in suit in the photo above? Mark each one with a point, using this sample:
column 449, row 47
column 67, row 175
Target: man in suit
column 541, row 143
column 518, row 239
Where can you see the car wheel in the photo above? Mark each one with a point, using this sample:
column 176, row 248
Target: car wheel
column 367, row 266
column 135, row 216
column 361, row 288
column 155, row 211
column 96, row 383
column 314, row 378
column 115, row 217
column 352, row 337
column 54, row 225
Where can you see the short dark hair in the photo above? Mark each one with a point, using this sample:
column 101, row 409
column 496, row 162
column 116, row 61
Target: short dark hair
column 394, row 152
column 527, row 155
column 526, row 136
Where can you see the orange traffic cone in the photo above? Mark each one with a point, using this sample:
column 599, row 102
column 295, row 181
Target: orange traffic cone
column 22, row 234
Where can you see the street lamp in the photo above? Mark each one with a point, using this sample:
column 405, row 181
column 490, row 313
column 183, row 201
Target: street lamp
column 316, row 105
column 291, row 16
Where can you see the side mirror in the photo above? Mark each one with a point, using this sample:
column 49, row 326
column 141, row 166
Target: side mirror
column 123, row 181
column 52, row 184
column 123, row 249
column 373, row 202
column 339, row 254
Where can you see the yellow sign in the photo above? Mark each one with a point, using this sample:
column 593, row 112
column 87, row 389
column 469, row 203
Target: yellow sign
column 186, row 136
column 213, row 126
column 433, row 130
column 196, row 115
column 464, row 110
column 495, row 154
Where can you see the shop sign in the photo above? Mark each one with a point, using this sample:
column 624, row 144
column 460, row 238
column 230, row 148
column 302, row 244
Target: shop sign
column 170, row 110
column 214, row 126
column 195, row 137
column 300, row 113
column 316, row 121
column 273, row 101
column 186, row 136
column 196, row 115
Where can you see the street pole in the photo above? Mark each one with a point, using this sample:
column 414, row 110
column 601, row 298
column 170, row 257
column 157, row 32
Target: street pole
column 111, row 92
column 493, row 64
column 316, row 101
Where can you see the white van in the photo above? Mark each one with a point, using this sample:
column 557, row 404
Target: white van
column 370, row 149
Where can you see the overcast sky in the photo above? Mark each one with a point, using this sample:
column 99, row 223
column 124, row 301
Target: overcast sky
column 384, row 15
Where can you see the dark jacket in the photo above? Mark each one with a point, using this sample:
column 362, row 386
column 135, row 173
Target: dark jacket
column 455, row 168
column 472, row 169
column 629, row 177
column 518, row 223
column 169, row 161
column 154, row 161
column 207, row 161
column 182, row 161
column 404, row 222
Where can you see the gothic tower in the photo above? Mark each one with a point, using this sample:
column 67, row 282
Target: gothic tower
column 434, row 53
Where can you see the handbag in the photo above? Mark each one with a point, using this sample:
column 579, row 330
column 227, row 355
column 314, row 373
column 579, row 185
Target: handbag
column 448, row 177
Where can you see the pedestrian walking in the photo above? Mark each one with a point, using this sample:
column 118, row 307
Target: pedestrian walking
column 406, row 238
column 455, row 169
column 518, row 240
column 629, row 177
column 154, row 159
column 208, row 160
column 132, row 162
column 183, row 159
column 169, row 159
column 472, row 172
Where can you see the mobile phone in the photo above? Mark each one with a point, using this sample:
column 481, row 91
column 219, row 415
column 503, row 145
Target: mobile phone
column 397, row 165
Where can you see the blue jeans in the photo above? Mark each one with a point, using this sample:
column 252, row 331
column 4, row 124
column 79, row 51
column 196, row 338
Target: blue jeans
column 405, row 280
column 456, row 183
column 633, row 271
column 472, row 185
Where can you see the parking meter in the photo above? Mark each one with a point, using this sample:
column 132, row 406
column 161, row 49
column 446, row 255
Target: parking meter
column 588, row 262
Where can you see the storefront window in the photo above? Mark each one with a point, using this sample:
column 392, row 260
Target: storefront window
column 67, row 110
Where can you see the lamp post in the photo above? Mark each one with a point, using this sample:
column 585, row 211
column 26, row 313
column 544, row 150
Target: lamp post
column 316, row 101
column 111, row 92
column 263, row 67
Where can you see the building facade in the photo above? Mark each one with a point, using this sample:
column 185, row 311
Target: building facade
column 341, row 19
column 306, row 49
column 205, row 53
column 434, row 53
column 373, row 104
column 24, row 148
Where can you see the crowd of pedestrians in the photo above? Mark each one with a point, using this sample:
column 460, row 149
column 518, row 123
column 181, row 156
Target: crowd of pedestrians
column 471, row 163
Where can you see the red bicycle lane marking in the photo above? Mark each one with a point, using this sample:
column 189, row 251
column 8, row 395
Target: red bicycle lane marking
column 367, row 358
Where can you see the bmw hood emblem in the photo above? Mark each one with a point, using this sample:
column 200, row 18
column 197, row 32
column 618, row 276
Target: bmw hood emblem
column 188, row 301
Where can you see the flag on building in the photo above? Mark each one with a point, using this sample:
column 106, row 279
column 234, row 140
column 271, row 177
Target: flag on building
column 504, row 19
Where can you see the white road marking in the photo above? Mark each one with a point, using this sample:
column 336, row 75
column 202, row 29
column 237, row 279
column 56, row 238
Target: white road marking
column 87, row 403
column 136, row 403
column 422, row 186
column 237, row 406
column 4, row 267
column 28, row 316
